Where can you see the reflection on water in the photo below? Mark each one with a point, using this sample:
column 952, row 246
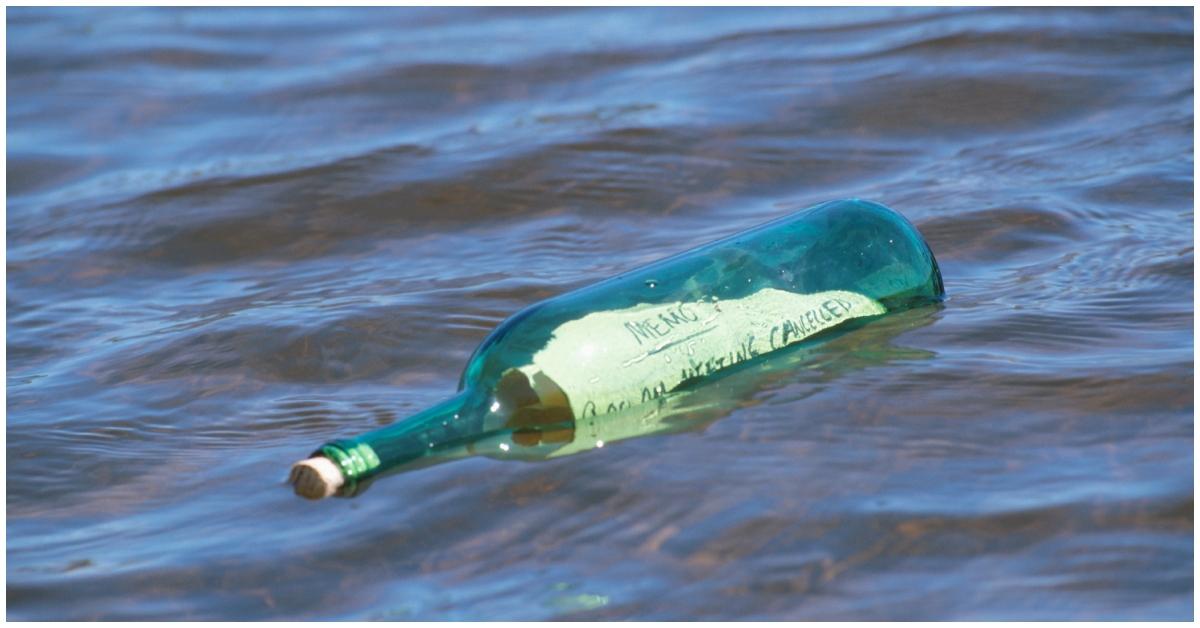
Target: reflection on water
column 232, row 233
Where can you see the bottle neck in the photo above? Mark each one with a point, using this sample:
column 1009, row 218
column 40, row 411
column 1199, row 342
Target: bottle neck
column 441, row 427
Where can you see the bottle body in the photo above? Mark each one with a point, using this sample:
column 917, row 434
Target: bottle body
column 612, row 347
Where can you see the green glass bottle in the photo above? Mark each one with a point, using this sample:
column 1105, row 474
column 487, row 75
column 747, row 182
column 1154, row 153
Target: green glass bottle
column 560, row 374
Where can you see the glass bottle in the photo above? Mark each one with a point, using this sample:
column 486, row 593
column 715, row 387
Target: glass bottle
column 602, row 356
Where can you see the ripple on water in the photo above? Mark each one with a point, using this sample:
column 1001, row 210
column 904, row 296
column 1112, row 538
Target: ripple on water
column 234, row 234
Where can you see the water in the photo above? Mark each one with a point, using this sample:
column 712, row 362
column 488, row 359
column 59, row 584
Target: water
column 234, row 234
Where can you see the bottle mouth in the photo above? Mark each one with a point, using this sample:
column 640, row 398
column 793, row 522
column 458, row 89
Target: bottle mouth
column 355, row 460
column 316, row 478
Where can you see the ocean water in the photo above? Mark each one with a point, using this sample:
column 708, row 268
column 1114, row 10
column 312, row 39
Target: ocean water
column 235, row 234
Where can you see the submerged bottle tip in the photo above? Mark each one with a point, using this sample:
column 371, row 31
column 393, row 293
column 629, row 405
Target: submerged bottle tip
column 316, row 478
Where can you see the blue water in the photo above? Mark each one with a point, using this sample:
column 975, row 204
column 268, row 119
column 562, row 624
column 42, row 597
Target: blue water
column 233, row 234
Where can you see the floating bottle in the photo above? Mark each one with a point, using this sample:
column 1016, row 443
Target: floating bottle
column 560, row 374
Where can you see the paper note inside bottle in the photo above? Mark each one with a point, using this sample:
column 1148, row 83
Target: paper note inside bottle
column 611, row 360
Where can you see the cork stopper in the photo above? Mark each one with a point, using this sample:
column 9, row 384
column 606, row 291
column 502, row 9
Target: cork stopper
column 316, row 478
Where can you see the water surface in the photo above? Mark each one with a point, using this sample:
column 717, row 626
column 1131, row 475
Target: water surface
column 235, row 234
